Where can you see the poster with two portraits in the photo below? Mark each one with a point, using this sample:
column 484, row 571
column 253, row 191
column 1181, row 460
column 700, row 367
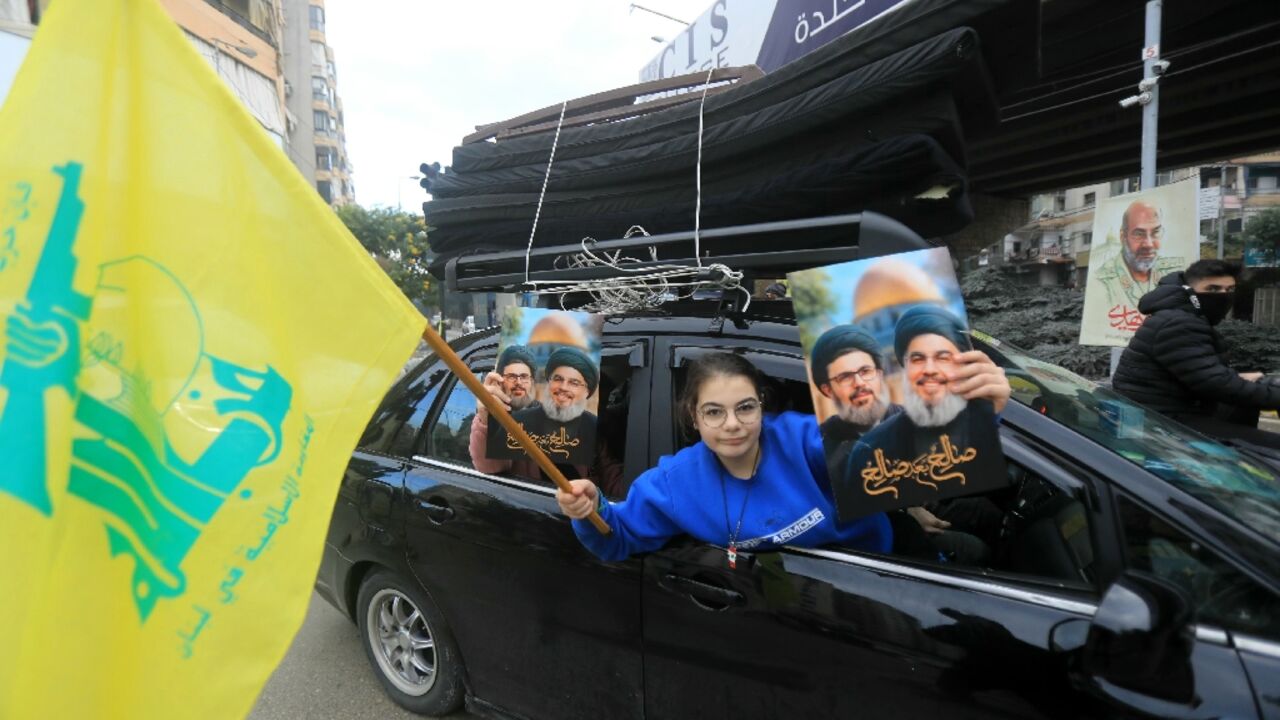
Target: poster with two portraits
column 550, row 364
column 881, row 338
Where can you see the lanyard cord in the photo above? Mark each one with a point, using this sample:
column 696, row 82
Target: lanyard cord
column 724, row 495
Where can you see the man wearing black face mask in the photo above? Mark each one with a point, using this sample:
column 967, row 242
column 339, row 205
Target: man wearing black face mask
column 1176, row 362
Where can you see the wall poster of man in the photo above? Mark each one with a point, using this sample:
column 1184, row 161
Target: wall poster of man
column 1138, row 239
column 554, row 357
column 882, row 337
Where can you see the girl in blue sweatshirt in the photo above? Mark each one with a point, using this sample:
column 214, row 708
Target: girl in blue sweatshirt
column 753, row 482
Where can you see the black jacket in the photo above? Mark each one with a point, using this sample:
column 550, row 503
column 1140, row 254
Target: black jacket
column 1176, row 362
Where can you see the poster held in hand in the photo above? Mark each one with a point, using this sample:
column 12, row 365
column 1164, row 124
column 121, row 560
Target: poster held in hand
column 881, row 338
column 549, row 361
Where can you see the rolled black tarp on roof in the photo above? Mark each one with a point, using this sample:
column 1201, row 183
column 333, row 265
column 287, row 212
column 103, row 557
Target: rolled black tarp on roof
column 885, row 176
column 1011, row 56
column 948, row 63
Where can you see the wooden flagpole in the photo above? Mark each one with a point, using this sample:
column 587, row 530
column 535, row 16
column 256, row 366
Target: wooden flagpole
column 497, row 411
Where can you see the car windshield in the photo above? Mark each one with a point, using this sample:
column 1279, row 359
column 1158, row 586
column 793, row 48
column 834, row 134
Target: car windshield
column 1217, row 474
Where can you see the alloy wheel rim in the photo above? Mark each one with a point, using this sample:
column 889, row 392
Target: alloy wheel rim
column 402, row 642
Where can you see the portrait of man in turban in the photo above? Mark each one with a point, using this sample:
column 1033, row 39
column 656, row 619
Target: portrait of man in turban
column 549, row 385
column 942, row 444
column 907, row 409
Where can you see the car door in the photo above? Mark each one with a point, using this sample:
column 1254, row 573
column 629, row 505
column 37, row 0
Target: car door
column 834, row 633
column 537, row 618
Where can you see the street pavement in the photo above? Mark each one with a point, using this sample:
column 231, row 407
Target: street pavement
column 326, row 675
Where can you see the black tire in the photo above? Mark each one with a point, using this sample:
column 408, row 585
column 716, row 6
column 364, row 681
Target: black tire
column 392, row 615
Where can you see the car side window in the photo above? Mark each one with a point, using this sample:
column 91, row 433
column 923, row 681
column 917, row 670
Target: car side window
column 396, row 423
column 1220, row 594
column 450, row 436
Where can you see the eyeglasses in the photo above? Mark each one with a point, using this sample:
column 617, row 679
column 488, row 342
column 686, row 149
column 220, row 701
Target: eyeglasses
column 521, row 378
column 747, row 412
column 866, row 374
column 574, row 383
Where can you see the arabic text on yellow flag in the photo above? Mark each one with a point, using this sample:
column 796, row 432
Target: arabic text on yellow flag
column 192, row 344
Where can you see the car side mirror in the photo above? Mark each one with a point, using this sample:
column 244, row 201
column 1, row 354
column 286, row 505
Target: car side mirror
column 1141, row 638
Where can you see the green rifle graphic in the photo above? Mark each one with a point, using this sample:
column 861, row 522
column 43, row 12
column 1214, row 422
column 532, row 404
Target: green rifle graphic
column 157, row 501
column 43, row 350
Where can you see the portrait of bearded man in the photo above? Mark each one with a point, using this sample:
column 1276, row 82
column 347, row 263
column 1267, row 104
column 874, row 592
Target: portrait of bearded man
column 562, row 426
column 1138, row 267
column 848, row 369
column 944, row 405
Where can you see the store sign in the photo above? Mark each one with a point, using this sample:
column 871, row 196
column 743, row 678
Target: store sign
column 765, row 33
column 1210, row 202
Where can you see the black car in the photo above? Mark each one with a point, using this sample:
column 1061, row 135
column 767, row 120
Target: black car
column 1137, row 573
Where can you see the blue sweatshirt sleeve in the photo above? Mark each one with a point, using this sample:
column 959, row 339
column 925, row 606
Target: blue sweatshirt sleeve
column 641, row 523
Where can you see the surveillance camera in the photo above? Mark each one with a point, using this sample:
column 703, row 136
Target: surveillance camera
column 1160, row 67
column 1140, row 99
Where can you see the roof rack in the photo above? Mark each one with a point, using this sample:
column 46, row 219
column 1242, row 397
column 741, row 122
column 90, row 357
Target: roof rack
column 773, row 248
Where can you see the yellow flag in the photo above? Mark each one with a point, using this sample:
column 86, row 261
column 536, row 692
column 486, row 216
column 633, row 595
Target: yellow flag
column 192, row 344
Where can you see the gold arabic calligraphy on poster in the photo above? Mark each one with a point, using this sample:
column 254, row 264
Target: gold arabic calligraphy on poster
column 882, row 475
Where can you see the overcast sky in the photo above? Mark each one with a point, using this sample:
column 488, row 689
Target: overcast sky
column 415, row 76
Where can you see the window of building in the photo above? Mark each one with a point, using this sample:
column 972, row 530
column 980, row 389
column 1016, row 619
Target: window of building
column 324, row 158
column 317, row 17
column 323, row 187
column 1060, row 202
column 319, row 88
column 321, row 120
column 1263, row 179
column 318, row 59
column 1086, row 241
column 1221, row 595
column 1090, row 199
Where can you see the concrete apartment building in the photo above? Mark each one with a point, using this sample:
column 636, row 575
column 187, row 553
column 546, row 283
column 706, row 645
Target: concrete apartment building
column 1053, row 246
column 317, row 134
column 268, row 52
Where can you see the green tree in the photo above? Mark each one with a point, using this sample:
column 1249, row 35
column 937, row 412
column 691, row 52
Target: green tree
column 397, row 240
column 813, row 301
column 1262, row 237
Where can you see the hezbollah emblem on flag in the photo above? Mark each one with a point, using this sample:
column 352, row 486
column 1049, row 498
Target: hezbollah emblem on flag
column 192, row 344
column 158, row 486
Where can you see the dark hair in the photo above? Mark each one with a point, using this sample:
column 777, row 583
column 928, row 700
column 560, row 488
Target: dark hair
column 1202, row 269
column 707, row 367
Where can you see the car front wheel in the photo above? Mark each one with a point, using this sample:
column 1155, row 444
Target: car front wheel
column 409, row 645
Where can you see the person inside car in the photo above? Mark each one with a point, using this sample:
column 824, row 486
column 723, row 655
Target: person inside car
column 847, row 367
column 1176, row 362
column 753, row 481
column 512, row 385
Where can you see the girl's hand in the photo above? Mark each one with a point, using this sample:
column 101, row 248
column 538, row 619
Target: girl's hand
column 579, row 503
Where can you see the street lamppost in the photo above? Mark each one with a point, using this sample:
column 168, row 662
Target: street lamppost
column 655, row 12
column 399, row 181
